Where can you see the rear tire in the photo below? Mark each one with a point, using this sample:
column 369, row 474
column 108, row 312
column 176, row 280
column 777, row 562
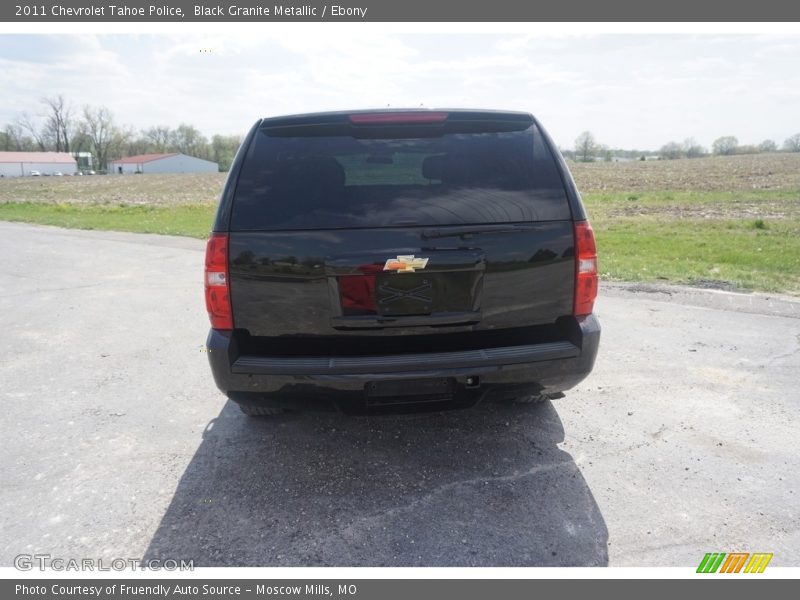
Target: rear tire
column 538, row 398
column 535, row 399
column 259, row 411
column 254, row 405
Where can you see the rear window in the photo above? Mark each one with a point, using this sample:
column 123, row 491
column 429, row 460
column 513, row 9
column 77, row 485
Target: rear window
column 340, row 182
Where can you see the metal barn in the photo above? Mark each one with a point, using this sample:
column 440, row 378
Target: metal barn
column 21, row 164
column 162, row 163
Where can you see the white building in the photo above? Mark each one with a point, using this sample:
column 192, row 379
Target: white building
column 20, row 164
column 162, row 163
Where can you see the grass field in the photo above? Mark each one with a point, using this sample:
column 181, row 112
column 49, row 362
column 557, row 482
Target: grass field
column 726, row 222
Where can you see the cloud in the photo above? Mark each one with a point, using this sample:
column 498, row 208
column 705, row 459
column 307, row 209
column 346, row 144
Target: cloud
column 630, row 90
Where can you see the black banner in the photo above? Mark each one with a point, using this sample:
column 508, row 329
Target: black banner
column 406, row 11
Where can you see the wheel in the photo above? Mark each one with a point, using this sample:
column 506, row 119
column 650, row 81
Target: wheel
column 535, row 399
column 259, row 411
column 538, row 398
column 254, row 405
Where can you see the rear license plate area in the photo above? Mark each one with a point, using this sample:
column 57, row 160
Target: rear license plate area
column 409, row 391
column 405, row 295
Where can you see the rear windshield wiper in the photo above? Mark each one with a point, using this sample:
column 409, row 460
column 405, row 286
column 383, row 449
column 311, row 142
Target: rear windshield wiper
column 468, row 231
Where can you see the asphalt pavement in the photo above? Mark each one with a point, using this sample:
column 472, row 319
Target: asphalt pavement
column 114, row 441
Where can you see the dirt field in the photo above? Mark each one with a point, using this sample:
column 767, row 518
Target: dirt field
column 713, row 174
column 119, row 190
column 758, row 172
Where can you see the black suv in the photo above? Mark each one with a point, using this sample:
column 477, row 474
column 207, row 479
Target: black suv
column 367, row 259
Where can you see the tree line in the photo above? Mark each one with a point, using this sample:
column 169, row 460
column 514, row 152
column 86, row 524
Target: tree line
column 587, row 149
column 61, row 128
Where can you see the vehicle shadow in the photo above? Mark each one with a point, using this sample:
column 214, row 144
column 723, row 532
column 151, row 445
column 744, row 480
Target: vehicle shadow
column 480, row 487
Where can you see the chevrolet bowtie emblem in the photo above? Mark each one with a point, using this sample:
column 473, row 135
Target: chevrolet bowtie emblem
column 405, row 264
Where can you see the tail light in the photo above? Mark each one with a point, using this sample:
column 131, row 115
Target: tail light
column 218, row 293
column 585, row 269
column 357, row 292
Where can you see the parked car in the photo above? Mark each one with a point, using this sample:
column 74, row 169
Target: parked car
column 369, row 259
column 35, row 174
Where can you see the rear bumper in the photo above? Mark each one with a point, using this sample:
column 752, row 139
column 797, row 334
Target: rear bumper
column 328, row 382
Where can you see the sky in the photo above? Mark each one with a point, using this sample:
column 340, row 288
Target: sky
column 631, row 91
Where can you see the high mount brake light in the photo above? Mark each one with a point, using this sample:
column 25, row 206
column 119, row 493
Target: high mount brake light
column 585, row 269
column 218, row 293
column 396, row 118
